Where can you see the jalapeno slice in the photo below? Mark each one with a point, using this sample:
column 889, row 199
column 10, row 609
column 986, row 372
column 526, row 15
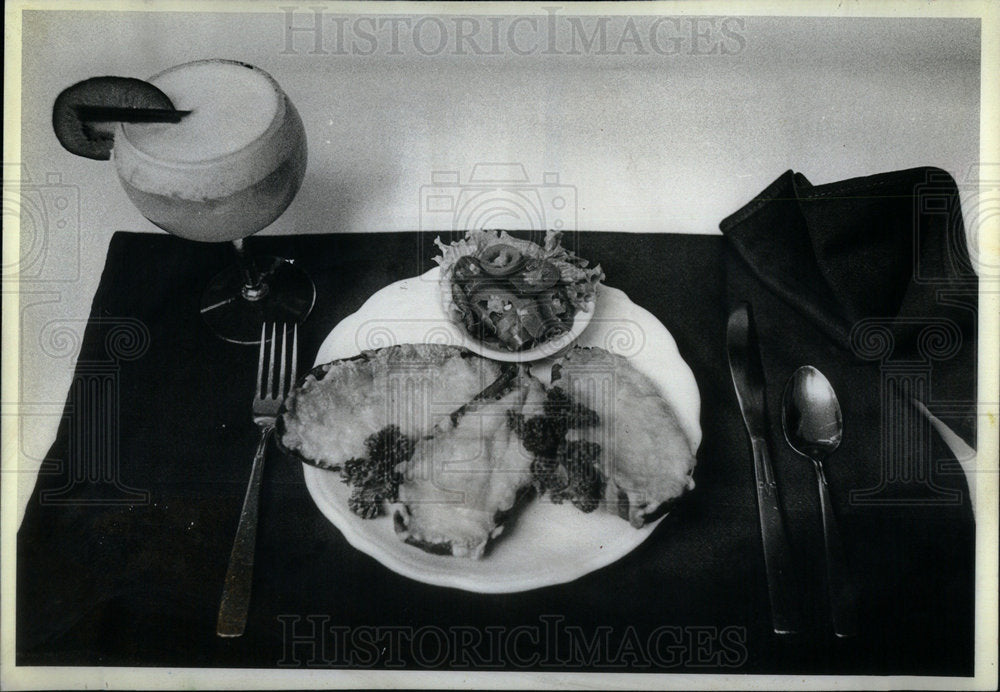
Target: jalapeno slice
column 537, row 275
column 500, row 259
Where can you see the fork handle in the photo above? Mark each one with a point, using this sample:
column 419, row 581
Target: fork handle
column 236, row 591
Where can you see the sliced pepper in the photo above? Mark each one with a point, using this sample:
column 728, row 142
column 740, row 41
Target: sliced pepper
column 536, row 276
column 500, row 259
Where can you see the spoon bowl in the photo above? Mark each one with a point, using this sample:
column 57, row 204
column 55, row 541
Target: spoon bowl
column 814, row 426
column 810, row 414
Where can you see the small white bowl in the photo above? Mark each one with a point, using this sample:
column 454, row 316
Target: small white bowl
column 539, row 352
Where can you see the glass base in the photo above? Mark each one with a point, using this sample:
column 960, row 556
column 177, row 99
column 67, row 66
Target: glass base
column 288, row 296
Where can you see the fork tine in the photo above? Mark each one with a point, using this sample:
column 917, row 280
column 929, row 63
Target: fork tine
column 270, row 369
column 284, row 360
column 260, row 360
column 295, row 356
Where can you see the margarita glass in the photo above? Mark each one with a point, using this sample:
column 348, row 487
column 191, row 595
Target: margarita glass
column 225, row 171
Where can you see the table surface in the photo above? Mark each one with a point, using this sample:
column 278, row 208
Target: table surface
column 638, row 141
column 123, row 549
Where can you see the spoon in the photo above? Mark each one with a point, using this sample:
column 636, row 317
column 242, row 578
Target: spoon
column 814, row 426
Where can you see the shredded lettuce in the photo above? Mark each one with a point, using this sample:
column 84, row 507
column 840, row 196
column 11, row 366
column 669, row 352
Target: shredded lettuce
column 580, row 280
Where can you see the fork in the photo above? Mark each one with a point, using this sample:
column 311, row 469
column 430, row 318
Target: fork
column 266, row 403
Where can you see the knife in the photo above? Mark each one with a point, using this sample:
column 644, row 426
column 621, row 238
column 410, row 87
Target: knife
column 748, row 378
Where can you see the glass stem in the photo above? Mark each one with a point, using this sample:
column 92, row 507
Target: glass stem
column 254, row 287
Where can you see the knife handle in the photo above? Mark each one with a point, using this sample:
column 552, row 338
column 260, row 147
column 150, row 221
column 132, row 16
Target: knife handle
column 782, row 583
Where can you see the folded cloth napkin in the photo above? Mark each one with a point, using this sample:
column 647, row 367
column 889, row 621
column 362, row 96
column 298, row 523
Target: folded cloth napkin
column 870, row 280
column 880, row 266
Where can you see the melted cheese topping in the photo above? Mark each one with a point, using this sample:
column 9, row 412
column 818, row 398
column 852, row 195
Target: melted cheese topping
column 411, row 386
column 460, row 482
column 644, row 452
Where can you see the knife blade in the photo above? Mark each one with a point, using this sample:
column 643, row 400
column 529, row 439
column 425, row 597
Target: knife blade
column 748, row 379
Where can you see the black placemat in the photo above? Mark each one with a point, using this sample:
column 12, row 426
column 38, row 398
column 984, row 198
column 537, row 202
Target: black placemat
column 124, row 544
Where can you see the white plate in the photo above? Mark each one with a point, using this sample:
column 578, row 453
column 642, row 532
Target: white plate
column 547, row 543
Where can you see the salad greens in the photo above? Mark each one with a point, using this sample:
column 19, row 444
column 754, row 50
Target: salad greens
column 512, row 293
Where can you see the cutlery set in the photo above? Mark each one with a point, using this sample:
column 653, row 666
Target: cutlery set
column 813, row 428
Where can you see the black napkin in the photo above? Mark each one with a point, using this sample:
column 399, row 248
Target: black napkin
column 880, row 266
column 870, row 280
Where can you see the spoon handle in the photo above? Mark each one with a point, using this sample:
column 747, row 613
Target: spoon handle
column 843, row 595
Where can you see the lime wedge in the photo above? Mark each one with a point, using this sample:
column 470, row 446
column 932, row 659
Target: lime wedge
column 95, row 140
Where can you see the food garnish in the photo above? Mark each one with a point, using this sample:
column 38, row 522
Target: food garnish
column 92, row 139
column 513, row 294
column 563, row 469
column 373, row 477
